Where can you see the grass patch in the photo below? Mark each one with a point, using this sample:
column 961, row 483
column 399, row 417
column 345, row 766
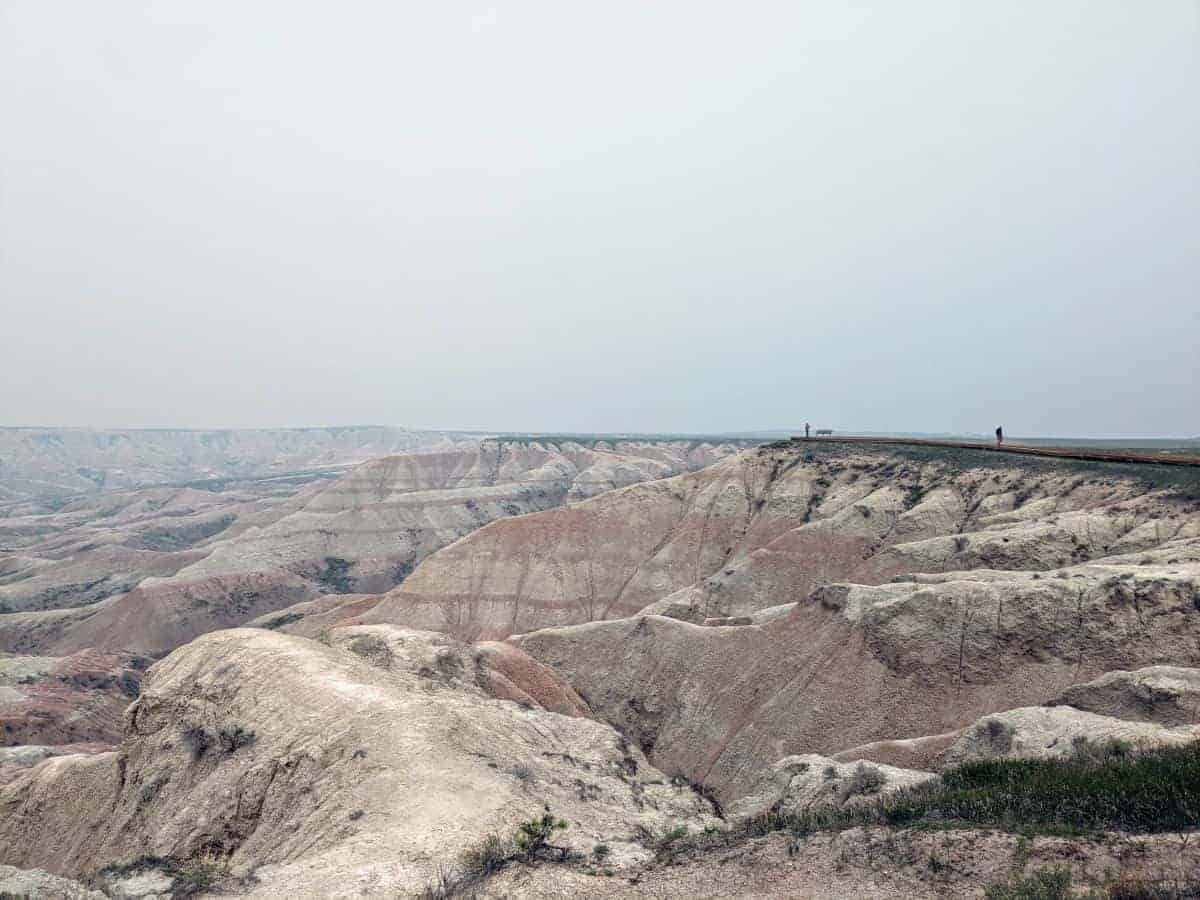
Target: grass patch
column 1110, row 789
column 1045, row 884
column 1055, row 883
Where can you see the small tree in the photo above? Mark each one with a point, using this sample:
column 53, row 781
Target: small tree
column 534, row 836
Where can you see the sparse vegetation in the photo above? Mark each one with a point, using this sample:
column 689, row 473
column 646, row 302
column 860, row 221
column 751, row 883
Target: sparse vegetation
column 374, row 650
column 1056, row 883
column 476, row 864
column 151, row 788
column 1150, row 791
column 197, row 739
column 865, row 779
column 1133, row 887
column 667, row 844
column 999, row 736
column 335, row 576
column 533, row 836
column 1085, row 749
column 190, row 877
column 280, row 621
column 231, row 738
column 234, row 737
column 1045, row 884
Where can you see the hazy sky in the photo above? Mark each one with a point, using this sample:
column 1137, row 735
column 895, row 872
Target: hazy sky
column 652, row 216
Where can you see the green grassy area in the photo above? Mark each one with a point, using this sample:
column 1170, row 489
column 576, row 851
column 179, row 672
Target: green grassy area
column 1136, row 792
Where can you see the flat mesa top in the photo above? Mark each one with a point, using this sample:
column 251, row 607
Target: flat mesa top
column 1120, row 455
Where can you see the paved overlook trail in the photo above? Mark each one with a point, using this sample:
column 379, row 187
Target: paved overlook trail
column 1128, row 456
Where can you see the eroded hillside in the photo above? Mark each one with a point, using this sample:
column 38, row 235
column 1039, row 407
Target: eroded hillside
column 813, row 641
column 143, row 572
column 763, row 528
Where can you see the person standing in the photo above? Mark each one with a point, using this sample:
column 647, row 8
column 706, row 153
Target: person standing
column 806, row 430
column 999, row 435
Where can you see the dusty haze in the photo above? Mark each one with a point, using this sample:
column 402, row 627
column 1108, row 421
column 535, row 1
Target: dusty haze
column 677, row 216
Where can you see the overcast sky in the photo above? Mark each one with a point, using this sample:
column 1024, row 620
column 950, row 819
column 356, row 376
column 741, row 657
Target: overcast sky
column 625, row 216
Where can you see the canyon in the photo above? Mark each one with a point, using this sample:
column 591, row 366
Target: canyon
column 340, row 687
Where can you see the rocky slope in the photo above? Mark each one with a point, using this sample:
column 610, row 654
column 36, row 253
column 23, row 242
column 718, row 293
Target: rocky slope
column 763, row 528
column 333, row 771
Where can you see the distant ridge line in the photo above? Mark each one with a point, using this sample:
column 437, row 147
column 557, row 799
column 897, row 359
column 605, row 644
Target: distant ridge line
column 1128, row 456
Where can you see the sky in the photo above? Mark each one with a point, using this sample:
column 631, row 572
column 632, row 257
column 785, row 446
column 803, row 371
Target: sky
column 679, row 216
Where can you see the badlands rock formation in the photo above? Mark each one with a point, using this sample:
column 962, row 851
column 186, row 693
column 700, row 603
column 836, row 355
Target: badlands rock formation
column 106, row 580
column 763, row 528
column 364, row 532
column 980, row 587
column 784, row 629
column 1169, row 695
column 37, row 464
column 97, row 546
column 1040, row 733
column 333, row 771
column 66, row 700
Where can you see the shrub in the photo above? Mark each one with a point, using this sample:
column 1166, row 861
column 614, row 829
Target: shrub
column 234, row 737
column 491, row 855
column 374, row 650
column 196, row 876
column 197, row 739
column 999, row 736
column 336, row 575
column 280, row 621
column 477, row 864
column 151, row 788
column 667, row 845
column 600, row 852
column 189, row 876
column 534, row 836
column 865, row 779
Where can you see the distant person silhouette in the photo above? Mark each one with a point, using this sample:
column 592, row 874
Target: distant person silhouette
column 999, row 436
column 806, row 429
